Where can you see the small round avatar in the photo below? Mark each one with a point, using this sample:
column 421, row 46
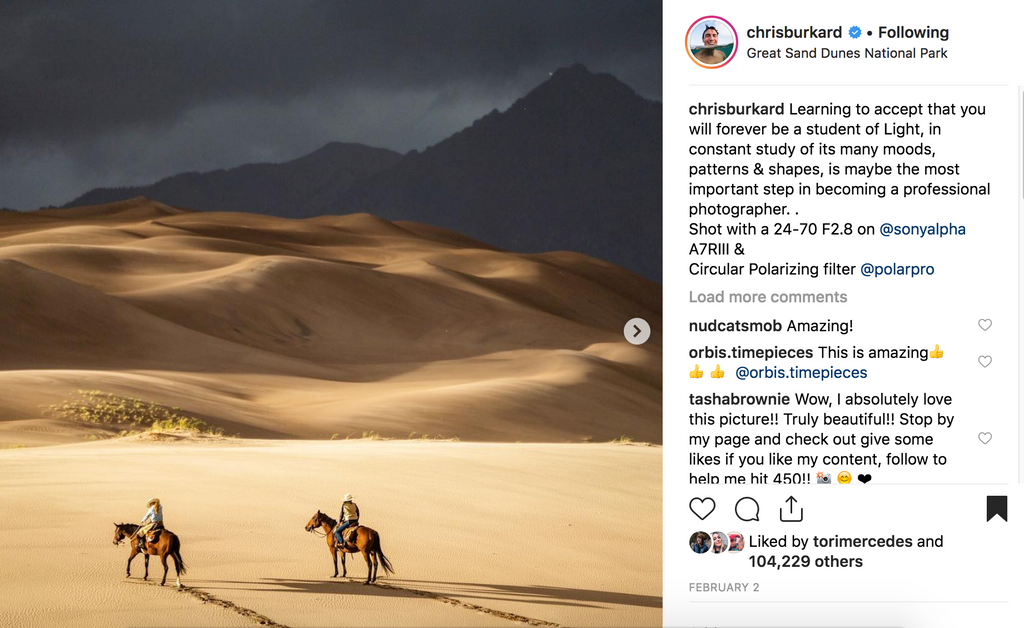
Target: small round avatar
column 700, row 542
column 711, row 42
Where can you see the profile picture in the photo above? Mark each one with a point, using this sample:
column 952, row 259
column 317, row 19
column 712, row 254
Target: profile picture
column 700, row 542
column 719, row 542
column 736, row 542
column 711, row 42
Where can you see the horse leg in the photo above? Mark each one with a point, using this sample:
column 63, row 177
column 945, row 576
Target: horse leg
column 163, row 561
column 131, row 557
column 146, row 577
column 334, row 555
column 373, row 555
column 369, row 565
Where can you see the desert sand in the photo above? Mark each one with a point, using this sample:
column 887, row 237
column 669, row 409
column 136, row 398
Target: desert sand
column 466, row 395
column 557, row 534
column 332, row 326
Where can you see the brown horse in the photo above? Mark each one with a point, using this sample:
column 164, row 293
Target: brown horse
column 167, row 545
column 367, row 542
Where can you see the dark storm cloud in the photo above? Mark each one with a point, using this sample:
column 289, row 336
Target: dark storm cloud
column 110, row 93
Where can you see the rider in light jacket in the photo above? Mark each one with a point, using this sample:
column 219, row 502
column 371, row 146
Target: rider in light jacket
column 348, row 518
column 153, row 520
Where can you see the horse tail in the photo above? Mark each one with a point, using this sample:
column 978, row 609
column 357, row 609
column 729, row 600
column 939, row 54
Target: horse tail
column 177, row 556
column 384, row 562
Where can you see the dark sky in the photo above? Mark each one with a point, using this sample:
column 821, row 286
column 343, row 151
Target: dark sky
column 121, row 93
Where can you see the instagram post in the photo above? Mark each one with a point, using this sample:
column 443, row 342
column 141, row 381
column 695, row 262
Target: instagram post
column 511, row 313
column 333, row 314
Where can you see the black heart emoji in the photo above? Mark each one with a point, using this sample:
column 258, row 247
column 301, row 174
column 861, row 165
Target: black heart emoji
column 864, row 478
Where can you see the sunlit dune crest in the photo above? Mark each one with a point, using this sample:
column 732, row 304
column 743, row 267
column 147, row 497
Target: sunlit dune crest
column 334, row 326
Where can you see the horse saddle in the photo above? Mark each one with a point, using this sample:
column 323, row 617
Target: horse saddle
column 153, row 536
column 349, row 535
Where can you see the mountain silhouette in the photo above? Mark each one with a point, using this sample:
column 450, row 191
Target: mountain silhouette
column 574, row 165
column 286, row 189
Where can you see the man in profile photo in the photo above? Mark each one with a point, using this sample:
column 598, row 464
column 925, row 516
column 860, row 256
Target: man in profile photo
column 700, row 545
column 710, row 55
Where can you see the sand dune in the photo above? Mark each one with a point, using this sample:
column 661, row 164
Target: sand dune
column 480, row 534
column 332, row 326
column 287, row 334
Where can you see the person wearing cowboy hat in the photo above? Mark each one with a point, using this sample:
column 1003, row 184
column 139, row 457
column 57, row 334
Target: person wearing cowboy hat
column 349, row 518
column 153, row 520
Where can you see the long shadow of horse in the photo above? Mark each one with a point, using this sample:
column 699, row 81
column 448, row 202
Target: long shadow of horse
column 560, row 596
column 554, row 596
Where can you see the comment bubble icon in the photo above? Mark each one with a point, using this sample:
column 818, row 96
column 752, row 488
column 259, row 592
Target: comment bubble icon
column 747, row 509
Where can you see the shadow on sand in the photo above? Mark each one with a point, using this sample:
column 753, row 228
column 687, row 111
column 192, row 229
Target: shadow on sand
column 396, row 587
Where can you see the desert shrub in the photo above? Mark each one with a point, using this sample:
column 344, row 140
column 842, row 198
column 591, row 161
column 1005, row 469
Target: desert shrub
column 186, row 424
column 103, row 408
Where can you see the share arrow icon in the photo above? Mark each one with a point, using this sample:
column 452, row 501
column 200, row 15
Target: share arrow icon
column 791, row 517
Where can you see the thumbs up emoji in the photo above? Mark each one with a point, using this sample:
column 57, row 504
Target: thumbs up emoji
column 718, row 373
column 936, row 353
column 696, row 373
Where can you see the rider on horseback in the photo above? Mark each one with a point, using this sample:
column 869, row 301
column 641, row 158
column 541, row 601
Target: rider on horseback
column 349, row 518
column 153, row 520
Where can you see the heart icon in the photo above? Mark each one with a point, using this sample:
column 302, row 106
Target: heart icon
column 985, row 323
column 702, row 507
column 864, row 478
column 985, row 437
column 984, row 360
